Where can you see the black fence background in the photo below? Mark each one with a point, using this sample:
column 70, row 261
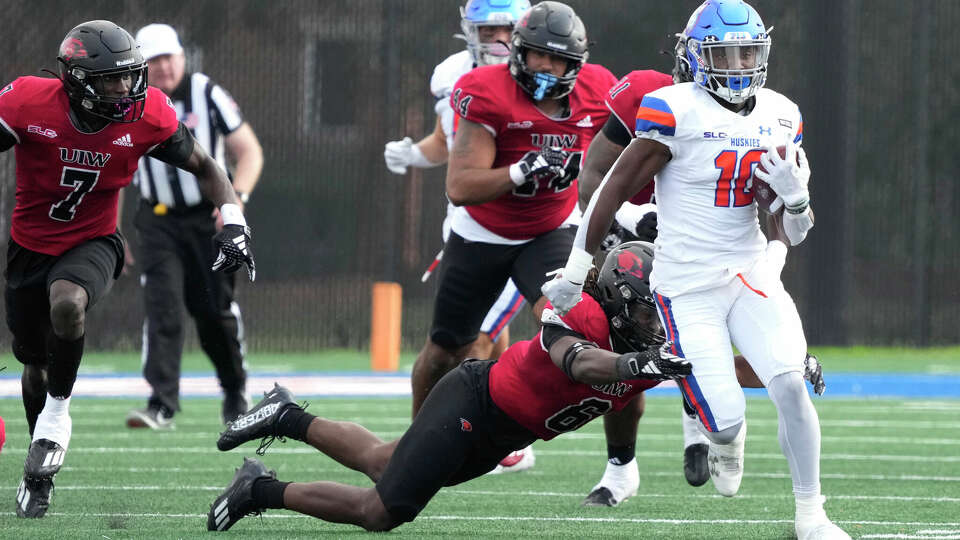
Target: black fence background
column 326, row 83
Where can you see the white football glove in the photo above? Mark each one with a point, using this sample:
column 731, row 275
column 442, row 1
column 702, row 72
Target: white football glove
column 785, row 177
column 562, row 293
column 404, row 153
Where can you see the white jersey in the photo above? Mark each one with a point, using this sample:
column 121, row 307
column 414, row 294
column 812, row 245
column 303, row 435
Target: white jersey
column 708, row 230
column 445, row 75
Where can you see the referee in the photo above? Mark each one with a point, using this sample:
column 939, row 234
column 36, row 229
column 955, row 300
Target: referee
column 174, row 225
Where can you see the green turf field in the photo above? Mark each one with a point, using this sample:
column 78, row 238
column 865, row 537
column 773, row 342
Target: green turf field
column 890, row 469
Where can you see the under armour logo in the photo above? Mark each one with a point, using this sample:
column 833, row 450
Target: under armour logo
column 768, row 131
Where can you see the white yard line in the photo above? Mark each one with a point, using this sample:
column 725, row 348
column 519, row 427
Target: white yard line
column 403, row 420
column 308, row 450
column 532, row 493
column 532, row 518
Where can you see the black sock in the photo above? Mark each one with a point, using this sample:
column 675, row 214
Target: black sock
column 621, row 455
column 268, row 492
column 293, row 423
column 33, row 384
column 63, row 361
column 688, row 409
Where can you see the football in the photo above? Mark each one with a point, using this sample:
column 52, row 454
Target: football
column 762, row 192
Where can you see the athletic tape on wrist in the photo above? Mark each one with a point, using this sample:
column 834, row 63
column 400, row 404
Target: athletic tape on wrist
column 578, row 264
column 232, row 215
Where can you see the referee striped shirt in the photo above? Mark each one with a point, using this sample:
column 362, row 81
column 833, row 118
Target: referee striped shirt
column 209, row 112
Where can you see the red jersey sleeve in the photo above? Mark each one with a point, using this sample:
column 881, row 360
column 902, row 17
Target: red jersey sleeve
column 586, row 318
column 472, row 100
column 159, row 120
column 624, row 98
column 12, row 97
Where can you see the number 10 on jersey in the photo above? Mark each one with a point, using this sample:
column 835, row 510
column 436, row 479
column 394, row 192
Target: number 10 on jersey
column 735, row 190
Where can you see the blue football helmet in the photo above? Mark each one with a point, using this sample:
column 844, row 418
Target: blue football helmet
column 479, row 13
column 724, row 49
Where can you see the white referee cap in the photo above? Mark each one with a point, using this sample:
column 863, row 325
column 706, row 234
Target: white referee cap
column 158, row 40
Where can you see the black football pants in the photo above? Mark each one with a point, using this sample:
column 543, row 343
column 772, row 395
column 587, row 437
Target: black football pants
column 175, row 257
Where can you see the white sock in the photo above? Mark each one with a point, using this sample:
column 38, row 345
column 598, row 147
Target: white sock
column 54, row 422
column 799, row 433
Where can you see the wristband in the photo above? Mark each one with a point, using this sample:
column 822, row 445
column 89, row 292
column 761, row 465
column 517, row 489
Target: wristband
column 232, row 215
column 516, row 174
column 628, row 366
column 578, row 265
column 800, row 207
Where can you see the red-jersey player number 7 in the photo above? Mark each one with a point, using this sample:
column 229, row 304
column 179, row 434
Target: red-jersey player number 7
column 733, row 190
column 81, row 181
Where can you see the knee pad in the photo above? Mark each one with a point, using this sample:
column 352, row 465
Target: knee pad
column 724, row 436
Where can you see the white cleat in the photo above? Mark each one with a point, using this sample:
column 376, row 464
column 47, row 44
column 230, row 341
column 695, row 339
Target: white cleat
column 519, row 460
column 726, row 463
column 820, row 530
column 619, row 483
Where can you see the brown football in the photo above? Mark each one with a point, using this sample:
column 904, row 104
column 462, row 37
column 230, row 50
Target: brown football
column 762, row 192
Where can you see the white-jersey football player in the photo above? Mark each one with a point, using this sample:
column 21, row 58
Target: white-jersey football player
column 486, row 26
column 713, row 280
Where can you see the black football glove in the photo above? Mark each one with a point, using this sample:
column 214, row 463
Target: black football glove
column 536, row 166
column 658, row 364
column 647, row 227
column 616, row 236
column 232, row 244
column 813, row 372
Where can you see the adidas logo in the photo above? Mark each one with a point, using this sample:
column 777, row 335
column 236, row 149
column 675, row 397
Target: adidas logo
column 221, row 514
column 585, row 122
column 54, row 458
column 125, row 140
column 23, row 495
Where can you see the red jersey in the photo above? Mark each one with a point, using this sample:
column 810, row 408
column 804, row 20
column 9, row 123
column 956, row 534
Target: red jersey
column 624, row 100
column 68, row 181
column 527, row 386
column 488, row 95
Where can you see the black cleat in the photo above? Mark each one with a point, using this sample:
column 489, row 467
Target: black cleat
column 44, row 459
column 235, row 404
column 237, row 501
column 259, row 422
column 695, row 466
column 600, row 497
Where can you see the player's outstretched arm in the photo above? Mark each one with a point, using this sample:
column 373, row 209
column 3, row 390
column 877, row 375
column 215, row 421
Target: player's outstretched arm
column 586, row 363
column 430, row 151
column 637, row 165
column 233, row 242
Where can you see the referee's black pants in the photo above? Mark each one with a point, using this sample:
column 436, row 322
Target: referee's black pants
column 175, row 257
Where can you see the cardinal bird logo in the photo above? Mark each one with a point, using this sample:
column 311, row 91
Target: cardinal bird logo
column 630, row 263
column 465, row 425
column 72, row 48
